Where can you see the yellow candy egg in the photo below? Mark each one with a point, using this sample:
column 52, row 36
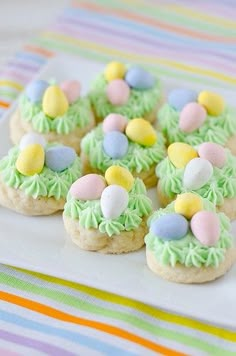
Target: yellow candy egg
column 119, row 176
column 31, row 160
column 188, row 204
column 55, row 102
column 212, row 102
column 114, row 70
column 141, row 131
column 180, row 154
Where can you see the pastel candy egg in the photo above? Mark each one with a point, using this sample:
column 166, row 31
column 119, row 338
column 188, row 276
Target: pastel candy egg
column 118, row 92
column 31, row 160
column 71, row 89
column 180, row 154
column 192, row 117
column 88, row 187
column 178, row 98
column 114, row 70
column 197, row 173
column 214, row 153
column 115, row 144
column 119, row 176
column 213, row 103
column 139, row 79
column 58, row 158
column 205, row 226
column 35, row 90
column 141, row 131
column 31, row 138
column 170, row 226
column 188, row 204
column 55, row 102
column 114, row 201
column 114, row 122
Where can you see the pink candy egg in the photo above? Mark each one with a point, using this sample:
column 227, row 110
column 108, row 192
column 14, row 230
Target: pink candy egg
column 192, row 117
column 205, row 226
column 88, row 187
column 213, row 152
column 71, row 89
column 118, row 92
column 114, row 122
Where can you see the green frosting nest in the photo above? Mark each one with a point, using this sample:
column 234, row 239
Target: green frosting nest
column 216, row 129
column 139, row 104
column 90, row 215
column 188, row 251
column 137, row 159
column 45, row 184
column 78, row 115
column 221, row 185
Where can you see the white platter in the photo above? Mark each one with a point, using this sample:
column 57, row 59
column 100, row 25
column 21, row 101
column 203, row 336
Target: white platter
column 41, row 244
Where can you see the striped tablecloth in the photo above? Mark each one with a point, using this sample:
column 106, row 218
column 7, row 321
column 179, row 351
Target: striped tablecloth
column 194, row 41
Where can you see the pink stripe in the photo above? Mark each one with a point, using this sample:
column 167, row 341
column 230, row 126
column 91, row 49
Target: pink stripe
column 4, row 352
column 9, row 74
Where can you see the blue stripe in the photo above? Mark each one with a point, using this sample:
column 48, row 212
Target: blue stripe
column 31, row 56
column 77, row 338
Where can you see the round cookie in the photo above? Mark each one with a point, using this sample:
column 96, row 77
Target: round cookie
column 186, row 245
column 35, row 176
column 134, row 145
column 107, row 215
column 58, row 112
column 131, row 91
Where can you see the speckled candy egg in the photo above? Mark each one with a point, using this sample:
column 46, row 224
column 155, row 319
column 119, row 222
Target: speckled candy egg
column 55, row 102
column 58, row 158
column 205, row 226
column 31, row 160
column 170, row 226
column 178, row 98
column 114, row 122
column 139, row 79
column 114, row 201
column 71, row 89
column 188, row 204
column 141, row 131
column 197, row 173
column 31, row 138
column 35, row 90
column 88, row 187
column 114, row 70
column 118, row 92
column 192, row 117
column 214, row 153
column 180, row 154
column 213, row 103
column 115, row 144
column 119, row 176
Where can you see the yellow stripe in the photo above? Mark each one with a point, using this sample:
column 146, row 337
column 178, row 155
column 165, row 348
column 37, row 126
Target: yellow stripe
column 134, row 57
column 144, row 308
column 202, row 16
column 11, row 84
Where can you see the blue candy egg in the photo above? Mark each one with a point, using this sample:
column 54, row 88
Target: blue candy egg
column 138, row 78
column 168, row 227
column 115, row 144
column 178, row 98
column 35, row 90
column 58, row 158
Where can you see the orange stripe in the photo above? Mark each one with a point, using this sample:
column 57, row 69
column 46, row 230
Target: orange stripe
column 109, row 329
column 150, row 21
column 4, row 104
column 39, row 50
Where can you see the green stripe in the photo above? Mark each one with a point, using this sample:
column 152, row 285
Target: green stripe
column 79, row 304
column 9, row 94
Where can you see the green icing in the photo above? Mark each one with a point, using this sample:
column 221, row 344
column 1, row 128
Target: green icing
column 90, row 215
column 221, row 185
column 137, row 159
column 215, row 129
column 46, row 184
column 140, row 103
column 188, row 251
column 78, row 115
